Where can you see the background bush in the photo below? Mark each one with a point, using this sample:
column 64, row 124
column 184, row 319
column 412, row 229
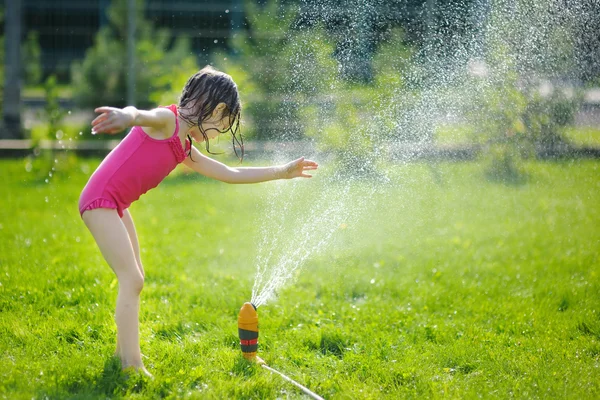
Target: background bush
column 100, row 79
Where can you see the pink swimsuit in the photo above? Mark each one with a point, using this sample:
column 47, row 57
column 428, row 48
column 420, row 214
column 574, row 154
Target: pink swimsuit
column 138, row 164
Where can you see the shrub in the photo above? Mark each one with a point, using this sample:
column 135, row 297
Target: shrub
column 279, row 68
column 100, row 79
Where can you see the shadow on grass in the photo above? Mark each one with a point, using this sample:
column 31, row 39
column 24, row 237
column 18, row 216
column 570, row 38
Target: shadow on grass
column 111, row 382
column 244, row 368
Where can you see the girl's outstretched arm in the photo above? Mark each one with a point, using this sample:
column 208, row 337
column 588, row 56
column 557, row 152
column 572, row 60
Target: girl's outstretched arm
column 113, row 120
column 216, row 170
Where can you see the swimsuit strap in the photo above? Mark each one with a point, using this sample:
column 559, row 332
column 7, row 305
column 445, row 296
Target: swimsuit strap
column 180, row 152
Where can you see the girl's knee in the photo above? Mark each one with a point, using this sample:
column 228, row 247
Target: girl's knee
column 133, row 283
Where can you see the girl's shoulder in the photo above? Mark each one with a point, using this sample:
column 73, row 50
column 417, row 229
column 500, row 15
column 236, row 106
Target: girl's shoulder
column 168, row 115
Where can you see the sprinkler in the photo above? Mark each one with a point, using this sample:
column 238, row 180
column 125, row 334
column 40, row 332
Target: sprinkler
column 248, row 330
column 248, row 333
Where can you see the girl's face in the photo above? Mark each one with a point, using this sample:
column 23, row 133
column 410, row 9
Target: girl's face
column 212, row 127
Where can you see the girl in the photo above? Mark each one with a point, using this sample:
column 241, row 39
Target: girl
column 160, row 139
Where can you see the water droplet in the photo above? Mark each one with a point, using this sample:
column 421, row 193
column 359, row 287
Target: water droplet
column 77, row 239
column 59, row 134
column 372, row 281
column 69, row 112
column 46, row 199
column 226, row 11
column 216, row 41
column 27, row 242
column 46, row 180
column 80, row 133
column 28, row 167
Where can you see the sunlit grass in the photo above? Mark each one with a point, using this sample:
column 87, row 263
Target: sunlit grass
column 454, row 135
column 583, row 136
column 457, row 135
column 445, row 285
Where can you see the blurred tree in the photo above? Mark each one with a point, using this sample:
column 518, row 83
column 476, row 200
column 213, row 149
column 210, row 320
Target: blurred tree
column 100, row 79
column 511, row 117
column 279, row 68
column 359, row 27
column 32, row 53
column 587, row 42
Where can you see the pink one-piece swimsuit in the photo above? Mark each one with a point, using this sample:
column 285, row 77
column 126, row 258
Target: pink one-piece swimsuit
column 138, row 164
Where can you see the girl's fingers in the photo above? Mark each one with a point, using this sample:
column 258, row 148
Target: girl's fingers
column 104, row 109
column 104, row 128
column 100, row 118
column 101, row 123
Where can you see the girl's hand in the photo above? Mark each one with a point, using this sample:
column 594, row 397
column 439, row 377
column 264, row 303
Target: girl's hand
column 297, row 168
column 112, row 120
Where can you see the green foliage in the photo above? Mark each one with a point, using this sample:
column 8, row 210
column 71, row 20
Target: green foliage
column 512, row 123
column 54, row 113
column 462, row 290
column 583, row 136
column 358, row 120
column 546, row 117
column 511, row 118
column 276, row 67
column 100, row 79
column 32, row 58
column 292, row 88
column 342, row 128
column 497, row 118
column 391, row 61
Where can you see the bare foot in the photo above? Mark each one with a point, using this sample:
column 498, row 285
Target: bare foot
column 132, row 369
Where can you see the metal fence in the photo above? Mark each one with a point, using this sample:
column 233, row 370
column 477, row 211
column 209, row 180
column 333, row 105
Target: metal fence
column 67, row 28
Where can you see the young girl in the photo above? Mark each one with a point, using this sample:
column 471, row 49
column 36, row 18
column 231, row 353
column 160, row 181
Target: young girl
column 160, row 139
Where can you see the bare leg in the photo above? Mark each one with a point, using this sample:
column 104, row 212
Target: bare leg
column 128, row 222
column 114, row 243
column 129, row 225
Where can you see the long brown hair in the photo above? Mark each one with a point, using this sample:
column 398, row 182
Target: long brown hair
column 201, row 95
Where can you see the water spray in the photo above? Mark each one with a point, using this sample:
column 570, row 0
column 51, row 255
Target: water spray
column 248, row 333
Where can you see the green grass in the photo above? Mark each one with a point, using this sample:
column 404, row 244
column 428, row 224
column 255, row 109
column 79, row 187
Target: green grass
column 445, row 285
column 464, row 136
column 456, row 135
column 583, row 136
column 64, row 91
column 69, row 131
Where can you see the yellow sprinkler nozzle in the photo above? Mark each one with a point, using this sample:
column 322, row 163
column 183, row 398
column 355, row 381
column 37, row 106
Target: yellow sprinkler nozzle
column 248, row 330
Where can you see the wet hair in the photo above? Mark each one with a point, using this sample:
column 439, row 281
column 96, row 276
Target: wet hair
column 200, row 96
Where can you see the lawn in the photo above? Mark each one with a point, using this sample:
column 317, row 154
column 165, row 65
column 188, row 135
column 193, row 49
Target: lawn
column 438, row 284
